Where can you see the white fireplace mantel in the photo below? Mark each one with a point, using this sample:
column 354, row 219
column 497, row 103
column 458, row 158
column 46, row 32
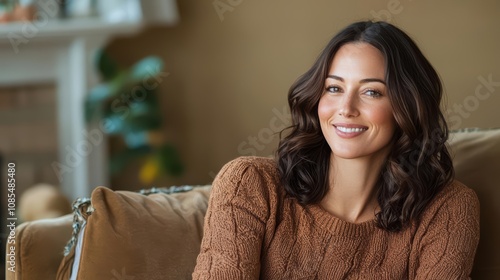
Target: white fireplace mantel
column 63, row 52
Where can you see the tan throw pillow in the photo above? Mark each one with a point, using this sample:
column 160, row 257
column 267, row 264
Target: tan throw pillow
column 133, row 236
column 476, row 157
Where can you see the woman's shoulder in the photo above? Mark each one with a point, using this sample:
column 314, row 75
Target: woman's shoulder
column 260, row 162
column 457, row 191
column 255, row 176
column 253, row 166
column 455, row 200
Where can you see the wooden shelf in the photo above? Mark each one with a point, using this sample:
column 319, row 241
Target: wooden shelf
column 49, row 26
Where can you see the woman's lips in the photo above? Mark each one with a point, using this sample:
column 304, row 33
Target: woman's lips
column 349, row 130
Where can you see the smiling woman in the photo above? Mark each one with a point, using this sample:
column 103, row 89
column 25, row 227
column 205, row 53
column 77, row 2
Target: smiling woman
column 357, row 122
column 363, row 185
column 376, row 63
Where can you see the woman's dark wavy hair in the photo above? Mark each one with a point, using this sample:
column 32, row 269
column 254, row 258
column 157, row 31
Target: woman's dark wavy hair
column 419, row 164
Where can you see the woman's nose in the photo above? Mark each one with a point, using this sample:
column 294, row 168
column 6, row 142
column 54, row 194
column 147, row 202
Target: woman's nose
column 348, row 106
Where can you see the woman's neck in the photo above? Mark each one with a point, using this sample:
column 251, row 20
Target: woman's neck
column 352, row 195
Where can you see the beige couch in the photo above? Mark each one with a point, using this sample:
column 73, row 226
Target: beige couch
column 161, row 233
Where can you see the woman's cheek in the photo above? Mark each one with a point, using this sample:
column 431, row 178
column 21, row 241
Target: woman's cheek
column 325, row 108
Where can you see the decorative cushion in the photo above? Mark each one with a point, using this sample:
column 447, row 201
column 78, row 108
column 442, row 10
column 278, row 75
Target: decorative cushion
column 39, row 248
column 476, row 157
column 132, row 236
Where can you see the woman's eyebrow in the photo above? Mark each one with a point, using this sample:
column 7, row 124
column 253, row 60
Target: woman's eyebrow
column 367, row 80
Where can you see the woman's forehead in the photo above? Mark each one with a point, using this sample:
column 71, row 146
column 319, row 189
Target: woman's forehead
column 358, row 61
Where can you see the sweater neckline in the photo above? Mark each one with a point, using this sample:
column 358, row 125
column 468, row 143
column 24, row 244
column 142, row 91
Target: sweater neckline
column 337, row 226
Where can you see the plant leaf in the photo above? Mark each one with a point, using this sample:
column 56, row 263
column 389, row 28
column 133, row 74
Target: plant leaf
column 170, row 160
column 106, row 65
column 118, row 161
column 146, row 68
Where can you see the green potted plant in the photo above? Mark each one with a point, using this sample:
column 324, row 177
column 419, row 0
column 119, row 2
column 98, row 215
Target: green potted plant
column 127, row 103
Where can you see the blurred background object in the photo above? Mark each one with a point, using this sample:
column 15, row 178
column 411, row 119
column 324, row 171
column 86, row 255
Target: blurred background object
column 47, row 50
column 51, row 68
column 11, row 10
column 127, row 103
column 82, row 8
column 42, row 201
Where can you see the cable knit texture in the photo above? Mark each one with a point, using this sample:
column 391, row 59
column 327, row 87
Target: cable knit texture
column 253, row 230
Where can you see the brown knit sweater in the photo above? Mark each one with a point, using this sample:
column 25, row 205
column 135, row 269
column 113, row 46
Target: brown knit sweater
column 252, row 230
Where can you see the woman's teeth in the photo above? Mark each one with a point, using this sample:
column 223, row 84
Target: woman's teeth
column 350, row 129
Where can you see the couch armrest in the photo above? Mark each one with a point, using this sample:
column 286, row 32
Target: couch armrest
column 39, row 248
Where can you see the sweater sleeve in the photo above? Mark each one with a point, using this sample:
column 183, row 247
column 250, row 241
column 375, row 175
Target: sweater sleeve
column 448, row 244
column 234, row 223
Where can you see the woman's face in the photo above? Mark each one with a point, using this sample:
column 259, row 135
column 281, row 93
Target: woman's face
column 355, row 112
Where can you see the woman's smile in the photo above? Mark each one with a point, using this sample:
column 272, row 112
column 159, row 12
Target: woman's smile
column 349, row 130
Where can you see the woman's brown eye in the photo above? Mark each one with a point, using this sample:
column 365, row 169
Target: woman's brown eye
column 373, row 93
column 333, row 89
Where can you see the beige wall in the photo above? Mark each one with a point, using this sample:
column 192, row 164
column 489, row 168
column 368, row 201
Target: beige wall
column 229, row 72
